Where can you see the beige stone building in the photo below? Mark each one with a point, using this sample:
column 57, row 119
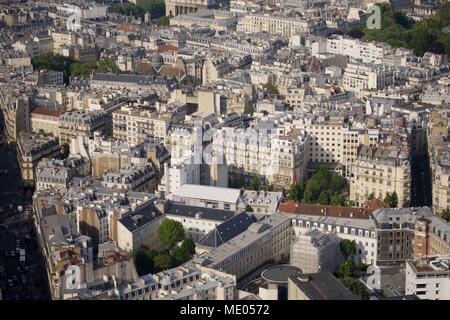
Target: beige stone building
column 379, row 170
column 136, row 126
column 73, row 124
column 45, row 120
column 263, row 241
column 139, row 228
column 31, row 148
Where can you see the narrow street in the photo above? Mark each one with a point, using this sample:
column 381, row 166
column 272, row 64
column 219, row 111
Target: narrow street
column 22, row 270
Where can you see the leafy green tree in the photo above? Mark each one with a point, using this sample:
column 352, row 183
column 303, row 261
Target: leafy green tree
column 391, row 199
column 348, row 248
column 162, row 262
column 371, row 196
column 355, row 34
column 255, row 184
column 296, row 191
column 324, row 197
column 184, row 252
column 338, row 200
column 271, row 89
column 170, row 232
column 445, row 214
column 350, row 203
column 345, row 269
column 143, row 263
column 356, row 287
column 325, row 188
column 164, row 21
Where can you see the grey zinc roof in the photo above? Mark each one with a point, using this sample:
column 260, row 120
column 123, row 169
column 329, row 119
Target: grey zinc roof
column 322, row 286
column 226, row 231
column 177, row 209
column 140, row 218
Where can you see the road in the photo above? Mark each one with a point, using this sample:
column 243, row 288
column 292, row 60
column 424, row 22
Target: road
column 18, row 280
column 421, row 182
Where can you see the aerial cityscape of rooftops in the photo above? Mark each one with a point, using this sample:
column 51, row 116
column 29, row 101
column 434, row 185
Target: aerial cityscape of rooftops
column 224, row 150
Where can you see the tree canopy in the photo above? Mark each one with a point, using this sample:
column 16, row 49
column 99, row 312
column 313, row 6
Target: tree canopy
column 271, row 89
column 445, row 214
column 325, row 188
column 400, row 31
column 170, row 232
column 391, row 199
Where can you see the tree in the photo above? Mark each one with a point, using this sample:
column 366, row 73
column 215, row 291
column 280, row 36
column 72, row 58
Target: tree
column 296, row 191
column 437, row 47
column 184, row 252
column 271, row 89
column 345, row 269
column 391, row 199
column 65, row 151
column 324, row 197
column 143, row 263
column 348, row 248
column 170, row 232
column 255, row 184
column 162, row 262
column 338, row 200
column 325, row 188
column 355, row 34
column 371, row 196
column 445, row 214
column 164, row 21
column 356, row 287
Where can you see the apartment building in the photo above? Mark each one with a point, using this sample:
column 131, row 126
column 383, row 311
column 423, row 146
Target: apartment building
column 278, row 158
column 190, row 281
column 132, row 176
column 197, row 221
column 383, row 236
column 439, row 155
column 347, row 223
column 135, row 126
column 45, row 120
column 56, row 174
column 267, row 240
column 219, row 20
column 180, row 7
column 139, row 228
column 333, row 144
column 275, row 25
column 429, row 277
column 31, row 148
column 379, row 170
column 432, row 237
column 367, row 52
column 16, row 108
column 77, row 123
column 360, row 78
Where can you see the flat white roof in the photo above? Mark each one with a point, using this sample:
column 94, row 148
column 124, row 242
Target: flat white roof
column 208, row 193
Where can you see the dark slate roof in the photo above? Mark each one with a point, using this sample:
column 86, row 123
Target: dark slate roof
column 130, row 78
column 322, row 286
column 178, row 209
column 140, row 218
column 227, row 230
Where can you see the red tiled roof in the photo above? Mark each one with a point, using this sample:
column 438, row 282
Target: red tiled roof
column 375, row 204
column 291, row 206
column 46, row 112
column 167, row 47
